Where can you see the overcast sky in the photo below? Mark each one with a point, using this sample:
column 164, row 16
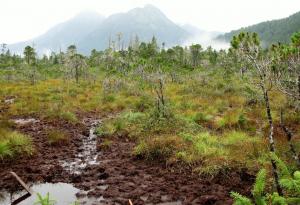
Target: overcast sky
column 24, row 19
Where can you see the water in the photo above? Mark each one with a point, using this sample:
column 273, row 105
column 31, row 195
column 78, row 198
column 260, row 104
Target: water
column 62, row 193
column 25, row 121
column 87, row 155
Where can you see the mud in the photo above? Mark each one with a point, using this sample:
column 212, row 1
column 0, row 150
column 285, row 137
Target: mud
column 116, row 176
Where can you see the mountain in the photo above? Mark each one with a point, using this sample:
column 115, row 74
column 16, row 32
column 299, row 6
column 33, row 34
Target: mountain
column 271, row 31
column 63, row 34
column 90, row 31
column 143, row 22
column 192, row 29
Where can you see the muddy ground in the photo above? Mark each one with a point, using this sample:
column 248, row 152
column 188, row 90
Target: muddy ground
column 119, row 176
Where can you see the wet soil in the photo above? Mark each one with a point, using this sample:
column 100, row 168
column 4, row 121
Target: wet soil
column 118, row 176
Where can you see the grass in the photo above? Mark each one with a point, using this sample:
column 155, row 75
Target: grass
column 13, row 144
column 209, row 118
column 106, row 144
column 158, row 148
column 57, row 137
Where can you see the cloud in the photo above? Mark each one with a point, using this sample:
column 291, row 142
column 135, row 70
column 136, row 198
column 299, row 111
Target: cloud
column 206, row 39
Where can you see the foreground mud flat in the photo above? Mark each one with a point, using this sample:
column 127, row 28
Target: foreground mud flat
column 110, row 176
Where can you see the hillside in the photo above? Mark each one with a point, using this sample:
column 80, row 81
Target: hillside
column 144, row 22
column 63, row 34
column 271, row 31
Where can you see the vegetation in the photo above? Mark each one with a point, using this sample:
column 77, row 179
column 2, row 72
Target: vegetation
column 57, row 137
column 289, row 182
column 13, row 143
column 190, row 106
column 44, row 200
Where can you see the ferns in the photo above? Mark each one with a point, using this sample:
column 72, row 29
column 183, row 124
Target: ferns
column 287, row 181
column 239, row 199
column 290, row 184
column 283, row 169
column 259, row 187
column 277, row 200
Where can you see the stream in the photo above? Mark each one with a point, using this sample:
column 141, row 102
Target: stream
column 62, row 193
column 87, row 154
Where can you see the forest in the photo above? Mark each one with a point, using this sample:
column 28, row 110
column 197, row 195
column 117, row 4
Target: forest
column 150, row 124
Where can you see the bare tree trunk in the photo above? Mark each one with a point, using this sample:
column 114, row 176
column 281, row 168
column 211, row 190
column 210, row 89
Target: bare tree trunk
column 299, row 87
column 289, row 136
column 77, row 74
column 160, row 98
column 271, row 139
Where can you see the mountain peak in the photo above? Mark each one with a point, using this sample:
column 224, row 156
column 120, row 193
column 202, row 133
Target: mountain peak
column 88, row 15
column 148, row 10
column 89, row 30
column 151, row 7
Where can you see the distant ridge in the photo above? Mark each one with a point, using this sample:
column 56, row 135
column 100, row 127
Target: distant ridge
column 271, row 31
column 90, row 30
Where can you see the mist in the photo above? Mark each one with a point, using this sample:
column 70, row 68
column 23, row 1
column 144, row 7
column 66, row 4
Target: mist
column 206, row 39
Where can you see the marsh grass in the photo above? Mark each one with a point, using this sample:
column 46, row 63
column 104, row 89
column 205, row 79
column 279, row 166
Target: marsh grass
column 57, row 137
column 13, row 144
column 208, row 117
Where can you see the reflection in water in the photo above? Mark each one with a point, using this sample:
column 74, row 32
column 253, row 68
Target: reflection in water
column 22, row 198
column 63, row 193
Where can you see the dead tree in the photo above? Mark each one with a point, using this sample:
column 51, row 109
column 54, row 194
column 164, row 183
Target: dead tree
column 247, row 47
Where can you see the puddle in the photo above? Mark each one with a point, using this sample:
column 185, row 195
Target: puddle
column 63, row 194
column 9, row 101
column 87, row 155
column 25, row 121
